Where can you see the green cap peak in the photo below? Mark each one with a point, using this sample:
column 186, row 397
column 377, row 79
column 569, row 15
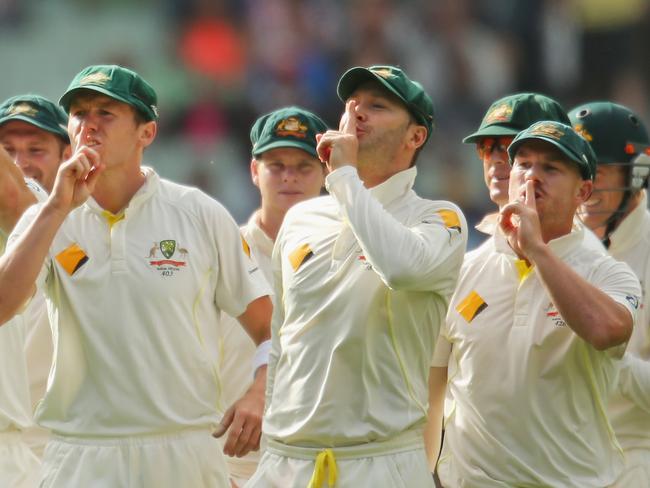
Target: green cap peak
column 417, row 101
column 116, row 82
column 563, row 137
column 287, row 127
column 511, row 114
column 38, row 111
column 616, row 134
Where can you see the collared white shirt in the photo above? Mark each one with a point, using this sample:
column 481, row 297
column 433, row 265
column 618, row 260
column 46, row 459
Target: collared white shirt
column 527, row 397
column 129, row 298
column 362, row 280
column 235, row 349
column 630, row 405
column 15, row 378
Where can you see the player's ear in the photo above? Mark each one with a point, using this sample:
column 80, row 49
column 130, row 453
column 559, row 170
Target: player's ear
column 584, row 190
column 148, row 131
column 67, row 152
column 254, row 173
column 417, row 136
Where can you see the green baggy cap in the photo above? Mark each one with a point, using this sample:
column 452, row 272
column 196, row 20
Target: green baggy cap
column 562, row 136
column 287, row 127
column 116, row 82
column 511, row 114
column 38, row 111
column 410, row 92
column 614, row 131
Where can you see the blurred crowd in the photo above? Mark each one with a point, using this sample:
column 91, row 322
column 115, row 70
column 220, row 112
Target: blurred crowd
column 218, row 64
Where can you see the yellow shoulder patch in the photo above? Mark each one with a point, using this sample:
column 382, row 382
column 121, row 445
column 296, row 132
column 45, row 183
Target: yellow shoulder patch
column 472, row 305
column 299, row 256
column 72, row 258
column 450, row 219
column 247, row 248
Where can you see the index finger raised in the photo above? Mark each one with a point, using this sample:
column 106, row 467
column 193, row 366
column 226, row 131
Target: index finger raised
column 348, row 123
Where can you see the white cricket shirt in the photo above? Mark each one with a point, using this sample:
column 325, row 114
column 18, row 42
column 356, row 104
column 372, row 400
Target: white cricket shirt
column 527, row 397
column 129, row 297
column 630, row 405
column 362, row 279
column 235, row 349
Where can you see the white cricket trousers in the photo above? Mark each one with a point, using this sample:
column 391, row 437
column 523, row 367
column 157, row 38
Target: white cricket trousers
column 399, row 462
column 189, row 458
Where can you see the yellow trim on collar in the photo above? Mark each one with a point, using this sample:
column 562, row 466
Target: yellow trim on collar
column 523, row 268
column 111, row 218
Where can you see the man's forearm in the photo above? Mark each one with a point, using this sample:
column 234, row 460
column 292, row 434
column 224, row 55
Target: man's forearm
column 590, row 312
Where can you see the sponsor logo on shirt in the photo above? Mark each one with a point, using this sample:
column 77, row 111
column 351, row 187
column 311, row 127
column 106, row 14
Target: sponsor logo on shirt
column 72, row 258
column 472, row 305
column 362, row 259
column 554, row 315
column 633, row 300
column 173, row 257
column 300, row 256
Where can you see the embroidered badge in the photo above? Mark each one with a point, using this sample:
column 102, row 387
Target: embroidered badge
column 291, row 126
column 500, row 113
column 168, row 249
column 22, row 108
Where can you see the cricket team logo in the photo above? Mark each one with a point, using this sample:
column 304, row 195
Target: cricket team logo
column 547, row 130
column 95, row 79
column 174, row 257
column 500, row 113
column 383, row 72
column 580, row 129
column 22, row 109
column 291, row 126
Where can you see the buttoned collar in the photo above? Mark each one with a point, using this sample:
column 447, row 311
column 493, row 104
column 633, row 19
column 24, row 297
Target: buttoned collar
column 561, row 246
column 395, row 186
column 143, row 194
column 263, row 242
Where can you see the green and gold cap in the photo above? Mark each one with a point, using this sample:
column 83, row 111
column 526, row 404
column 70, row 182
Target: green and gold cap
column 562, row 136
column 38, row 111
column 410, row 92
column 116, row 82
column 287, row 127
column 616, row 134
column 511, row 114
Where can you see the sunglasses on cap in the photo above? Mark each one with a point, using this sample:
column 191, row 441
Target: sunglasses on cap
column 485, row 146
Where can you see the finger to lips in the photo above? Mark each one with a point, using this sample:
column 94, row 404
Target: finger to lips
column 530, row 194
column 349, row 121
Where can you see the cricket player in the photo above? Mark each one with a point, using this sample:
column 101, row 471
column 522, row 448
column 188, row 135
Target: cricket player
column 618, row 213
column 362, row 280
column 134, row 268
column 286, row 169
column 504, row 119
column 34, row 140
column 34, row 132
column 535, row 332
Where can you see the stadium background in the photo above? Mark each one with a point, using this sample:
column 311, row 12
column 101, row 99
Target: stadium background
column 218, row 64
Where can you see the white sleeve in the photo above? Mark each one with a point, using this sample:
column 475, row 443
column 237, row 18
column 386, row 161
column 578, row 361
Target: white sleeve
column 425, row 256
column 441, row 352
column 23, row 224
column 240, row 280
column 277, row 320
column 634, row 380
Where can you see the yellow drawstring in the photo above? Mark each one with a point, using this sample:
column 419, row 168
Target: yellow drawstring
column 324, row 460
